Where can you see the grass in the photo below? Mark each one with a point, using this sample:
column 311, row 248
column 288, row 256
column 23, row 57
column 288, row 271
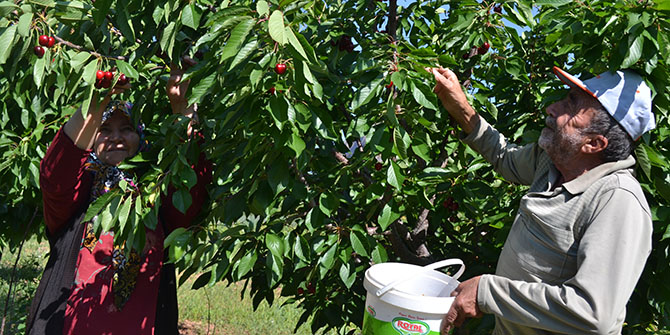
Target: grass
column 229, row 314
column 219, row 308
column 26, row 279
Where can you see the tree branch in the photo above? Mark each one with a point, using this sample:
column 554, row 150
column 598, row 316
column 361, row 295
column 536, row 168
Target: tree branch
column 80, row 48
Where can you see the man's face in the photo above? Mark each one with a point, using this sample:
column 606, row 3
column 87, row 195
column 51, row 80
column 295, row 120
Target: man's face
column 562, row 137
column 116, row 140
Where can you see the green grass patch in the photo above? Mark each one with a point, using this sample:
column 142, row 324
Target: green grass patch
column 226, row 312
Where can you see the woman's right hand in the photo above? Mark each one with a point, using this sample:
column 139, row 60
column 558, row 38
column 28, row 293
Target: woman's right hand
column 82, row 131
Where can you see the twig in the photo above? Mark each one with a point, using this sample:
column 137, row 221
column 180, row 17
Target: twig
column 11, row 280
column 80, row 48
column 302, row 179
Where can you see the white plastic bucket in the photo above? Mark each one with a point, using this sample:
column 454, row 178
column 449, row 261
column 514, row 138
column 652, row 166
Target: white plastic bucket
column 408, row 299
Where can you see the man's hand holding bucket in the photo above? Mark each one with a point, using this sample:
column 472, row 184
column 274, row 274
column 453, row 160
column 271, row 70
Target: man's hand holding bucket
column 464, row 305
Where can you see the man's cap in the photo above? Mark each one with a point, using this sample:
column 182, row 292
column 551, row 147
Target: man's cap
column 624, row 94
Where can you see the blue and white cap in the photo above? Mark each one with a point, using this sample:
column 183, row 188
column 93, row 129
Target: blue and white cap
column 624, row 94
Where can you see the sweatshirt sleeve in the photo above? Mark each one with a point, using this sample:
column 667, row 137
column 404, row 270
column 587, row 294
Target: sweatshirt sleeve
column 64, row 182
column 611, row 257
column 516, row 164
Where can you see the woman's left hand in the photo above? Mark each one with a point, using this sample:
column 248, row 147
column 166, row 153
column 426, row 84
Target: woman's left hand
column 176, row 88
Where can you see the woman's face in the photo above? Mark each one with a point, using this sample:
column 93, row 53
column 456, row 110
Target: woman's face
column 116, row 139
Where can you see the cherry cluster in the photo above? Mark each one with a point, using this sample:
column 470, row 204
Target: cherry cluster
column 44, row 41
column 481, row 50
column 103, row 79
column 344, row 44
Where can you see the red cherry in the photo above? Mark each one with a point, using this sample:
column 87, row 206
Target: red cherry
column 378, row 166
column 122, row 80
column 453, row 218
column 310, row 288
column 389, row 85
column 51, row 41
column 98, row 83
column 39, row 51
column 280, row 68
column 272, row 90
column 454, row 207
column 109, row 76
column 498, row 9
column 466, row 55
column 99, row 75
column 484, row 48
column 44, row 40
column 106, row 83
column 300, row 290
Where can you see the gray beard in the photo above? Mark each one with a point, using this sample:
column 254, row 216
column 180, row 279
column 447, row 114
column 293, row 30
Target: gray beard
column 560, row 147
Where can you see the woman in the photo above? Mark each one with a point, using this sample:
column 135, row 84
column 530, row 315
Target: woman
column 89, row 285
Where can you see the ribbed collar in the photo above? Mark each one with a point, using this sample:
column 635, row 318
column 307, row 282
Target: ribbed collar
column 581, row 183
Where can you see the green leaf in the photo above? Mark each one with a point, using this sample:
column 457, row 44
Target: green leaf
column 328, row 203
column 177, row 237
column 124, row 212
column 301, row 249
column 295, row 43
column 24, row 24
column 237, row 36
column 275, row 244
column 663, row 186
column 421, row 92
column 181, row 199
column 245, row 52
column 401, row 141
column 359, row 243
column 276, row 27
column 643, row 160
column 552, row 3
column 278, row 177
column 246, row 263
column 38, row 70
column 327, row 260
column 190, row 17
column 125, row 25
column 394, row 177
column 379, row 254
column 276, row 266
column 6, row 7
column 96, row 206
column 7, row 42
column 366, row 93
column 127, row 69
column 202, row 88
column 262, row 8
column 346, row 276
column 78, row 61
column 297, row 144
column 387, row 217
column 167, row 38
column 634, row 51
column 106, row 218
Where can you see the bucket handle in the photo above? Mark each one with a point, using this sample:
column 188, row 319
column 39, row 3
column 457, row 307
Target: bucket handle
column 429, row 267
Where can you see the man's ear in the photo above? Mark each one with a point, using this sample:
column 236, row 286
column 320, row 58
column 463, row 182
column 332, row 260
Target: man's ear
column 594, row 144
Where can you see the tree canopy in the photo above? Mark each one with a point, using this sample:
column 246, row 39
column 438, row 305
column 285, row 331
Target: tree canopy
column 344, row 160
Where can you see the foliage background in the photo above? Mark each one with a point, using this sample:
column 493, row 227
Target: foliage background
column 299, row 201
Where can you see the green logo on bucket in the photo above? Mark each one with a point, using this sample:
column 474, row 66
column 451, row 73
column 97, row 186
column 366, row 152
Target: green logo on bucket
column 371, row 311
column 406, row 326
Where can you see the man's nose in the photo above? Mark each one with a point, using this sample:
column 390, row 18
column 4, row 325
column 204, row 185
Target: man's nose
column 551, row 110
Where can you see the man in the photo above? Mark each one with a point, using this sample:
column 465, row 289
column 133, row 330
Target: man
column 583, row 231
